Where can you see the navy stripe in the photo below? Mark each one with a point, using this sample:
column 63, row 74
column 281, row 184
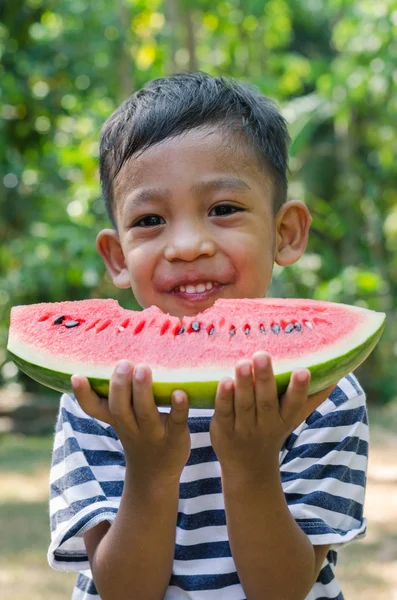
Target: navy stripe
column 201, row 455
column 86, row 584
column 326, row 575
column 340, row 418
column 88, row 425
column 202, row 487
column 65, row 514
column 338, row 597
column 69, row 447
column 205, row 518
column 328, row 501
column 76, row 477
column 199, row 424
column 338, row 396
column 332, row 557
column 349, row 444
column 66, row 558
column 354, row 382
column 203, row 550
column 84, row 520
column 112, row 489
column 204, row 582
column 95, row 458
column 339, row 472
column 313, row 417
column 100, row 458
column 318, row 526
column 290, row 441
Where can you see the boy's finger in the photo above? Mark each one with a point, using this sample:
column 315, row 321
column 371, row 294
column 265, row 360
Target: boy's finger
column 92, row 404
column 265, row 386
column 244, row 395
column 120, row 394
column 146, row 412
column 295, row 398
column 224, row 401
column 179, row 412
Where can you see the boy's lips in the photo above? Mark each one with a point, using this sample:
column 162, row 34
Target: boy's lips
column 197, row 293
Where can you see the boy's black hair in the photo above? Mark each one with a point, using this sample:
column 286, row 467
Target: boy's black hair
column 170, row 106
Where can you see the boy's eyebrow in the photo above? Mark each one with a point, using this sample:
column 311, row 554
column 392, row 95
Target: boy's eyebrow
column 140, row 197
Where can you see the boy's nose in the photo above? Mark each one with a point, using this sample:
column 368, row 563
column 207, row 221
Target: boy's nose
column 188, row 244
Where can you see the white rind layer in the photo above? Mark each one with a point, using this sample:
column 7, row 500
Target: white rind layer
column 371, row 323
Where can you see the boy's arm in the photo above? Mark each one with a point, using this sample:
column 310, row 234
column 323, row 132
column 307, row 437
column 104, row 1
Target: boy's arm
column 133, row 557
column 273, row 556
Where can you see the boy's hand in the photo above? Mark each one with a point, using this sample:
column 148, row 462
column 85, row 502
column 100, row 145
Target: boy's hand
column 250, row 423
column 155, row 444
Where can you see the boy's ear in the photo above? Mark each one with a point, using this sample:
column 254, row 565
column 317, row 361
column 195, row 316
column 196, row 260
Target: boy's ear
column 109, row 247
column 292, row 232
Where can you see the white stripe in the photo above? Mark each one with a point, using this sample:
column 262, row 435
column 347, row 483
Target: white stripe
column 200, row 440
column 350, row 491
column 214, row 533
column 200, row 471
column 109, row 472
column 335, row 458
column 233, row 592
column 204, row 566
column 68, row 465
column 76, row 493
column 192, row 506
column 333, row 519
column 332, row 434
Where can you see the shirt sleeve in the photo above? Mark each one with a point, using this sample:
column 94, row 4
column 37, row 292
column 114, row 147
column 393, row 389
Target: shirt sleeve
column 86, row 482
column 323, row 467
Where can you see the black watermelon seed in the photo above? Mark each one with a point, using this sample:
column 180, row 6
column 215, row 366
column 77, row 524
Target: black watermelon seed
column 247, row 330
column 298, row 327
column 262, row 328
column 211, row 331
column 232, row 331
column 59, row 320
column 276, row 328
column 71, row 323
column 196, row 326
column 290, row 327
column 181, row 330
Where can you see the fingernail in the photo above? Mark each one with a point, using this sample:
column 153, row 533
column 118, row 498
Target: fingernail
column 245, row 369
column 302, row 375
column 75, row 381
column 227, row 383
column 262, row 361
column 139, row 373
column 123, row 367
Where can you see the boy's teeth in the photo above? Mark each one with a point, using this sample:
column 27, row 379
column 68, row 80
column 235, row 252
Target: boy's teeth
column 196, row 289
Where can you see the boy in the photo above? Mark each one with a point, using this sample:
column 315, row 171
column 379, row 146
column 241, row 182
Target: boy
column 247, row 500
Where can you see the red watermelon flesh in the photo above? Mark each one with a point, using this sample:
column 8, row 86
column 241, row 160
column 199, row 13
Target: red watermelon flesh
column 52, row 341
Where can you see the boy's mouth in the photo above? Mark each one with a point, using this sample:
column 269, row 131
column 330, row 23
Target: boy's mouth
column 198, row 291
column 198, row 288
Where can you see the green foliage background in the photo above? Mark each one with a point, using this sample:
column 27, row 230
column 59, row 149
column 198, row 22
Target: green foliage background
column 331, row 65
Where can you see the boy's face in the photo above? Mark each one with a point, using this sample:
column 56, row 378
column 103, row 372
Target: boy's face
column 195, row 223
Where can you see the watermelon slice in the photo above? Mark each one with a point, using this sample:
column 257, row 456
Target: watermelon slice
column 50, row 342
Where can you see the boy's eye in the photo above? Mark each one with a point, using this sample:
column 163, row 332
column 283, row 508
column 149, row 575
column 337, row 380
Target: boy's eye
column 222, row 210
column 149, row 221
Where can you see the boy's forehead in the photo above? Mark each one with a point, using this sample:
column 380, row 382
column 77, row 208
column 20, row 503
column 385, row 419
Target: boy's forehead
column 190, row 156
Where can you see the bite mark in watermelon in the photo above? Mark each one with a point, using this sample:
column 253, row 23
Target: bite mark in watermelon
column 52, row 341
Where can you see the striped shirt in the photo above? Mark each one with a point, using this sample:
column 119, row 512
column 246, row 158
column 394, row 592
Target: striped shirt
column 323, row 467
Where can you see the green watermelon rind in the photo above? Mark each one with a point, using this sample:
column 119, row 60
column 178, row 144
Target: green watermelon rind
column 202, row 393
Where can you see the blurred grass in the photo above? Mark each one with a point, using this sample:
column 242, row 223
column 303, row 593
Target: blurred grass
column 366, row 569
